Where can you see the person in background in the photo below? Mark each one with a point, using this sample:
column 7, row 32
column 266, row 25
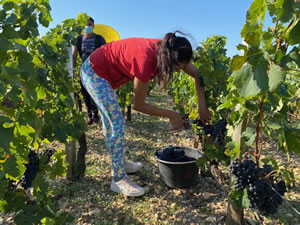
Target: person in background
column 86, row 44
column 140, row 60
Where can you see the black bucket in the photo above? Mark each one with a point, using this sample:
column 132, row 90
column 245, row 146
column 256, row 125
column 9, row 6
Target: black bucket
column 180, row 174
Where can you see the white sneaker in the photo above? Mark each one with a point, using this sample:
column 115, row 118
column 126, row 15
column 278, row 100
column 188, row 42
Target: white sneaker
column 132, row 167
column 126, row 187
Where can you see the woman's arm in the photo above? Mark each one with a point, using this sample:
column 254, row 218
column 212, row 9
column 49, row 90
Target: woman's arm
column 204, row 113
column 139, row 104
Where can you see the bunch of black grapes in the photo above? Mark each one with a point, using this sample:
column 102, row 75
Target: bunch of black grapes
column 31, row 169
column 217, row 131
column 264, row 192
column 33, row 166
column 173, row 154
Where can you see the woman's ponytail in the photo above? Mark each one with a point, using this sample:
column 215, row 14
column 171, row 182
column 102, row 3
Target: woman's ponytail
column 172, row 51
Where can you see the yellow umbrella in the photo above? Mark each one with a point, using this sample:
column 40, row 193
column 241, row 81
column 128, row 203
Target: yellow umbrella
column 107, row 32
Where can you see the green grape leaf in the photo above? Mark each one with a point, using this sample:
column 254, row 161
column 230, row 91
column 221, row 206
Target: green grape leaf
column 297, row 125
column 45, row 17
column 252, row 34
column 245, row 200
column 267, row 37
column 250, row 105
column 58, row 168
column 16, row 201
column 23, row 218
column 294, row 34
column 67, row 100
column 256, row 11
column 283, row 9
column 3, row 185
column 10, row 32
column 3, row 206
column 39, row 183
column 276, row 76
column 32, row 24
column 271, row 162
column 232, row 149
column 25, row 61
column 13, row 167
column 249, row 136
column 41, row 92
column 11, row 19
column 8, row 5
column 3, row 15
column 295, row 56
column 238, row 62
column 14, row 94
column 60, row 131
column 25, row 131
column 4, row 43
column 7, row 73
column 30, row 97
column 202, row 163
column 6, row 135
column 293, row 140
column 237, row 197
column 250, row 80
column 274, row 125
column 292, row 57
column 242, row 47
column 64, row 218
column 261, row 77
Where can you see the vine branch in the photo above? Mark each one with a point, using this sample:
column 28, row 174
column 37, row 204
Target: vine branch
column 258, row 148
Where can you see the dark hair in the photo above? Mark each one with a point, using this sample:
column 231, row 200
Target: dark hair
column 91, row 19
column 172, row 51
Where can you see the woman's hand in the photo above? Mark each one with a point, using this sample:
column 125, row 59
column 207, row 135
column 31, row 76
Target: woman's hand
column 176, row 120
column 204, row 114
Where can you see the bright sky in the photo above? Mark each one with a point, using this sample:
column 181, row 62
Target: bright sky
column 154, row 18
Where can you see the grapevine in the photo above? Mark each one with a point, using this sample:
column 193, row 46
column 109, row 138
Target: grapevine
column 263, row 76
column 36, row 107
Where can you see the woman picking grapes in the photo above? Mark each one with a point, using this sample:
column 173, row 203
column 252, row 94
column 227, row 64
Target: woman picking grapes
column 140, row 60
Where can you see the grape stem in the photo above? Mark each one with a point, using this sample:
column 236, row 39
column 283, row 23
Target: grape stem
column 271, row 173
column 246, row 154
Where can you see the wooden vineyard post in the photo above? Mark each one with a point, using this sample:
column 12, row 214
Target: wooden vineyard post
column 79, row 168
column 71, row 157
column 235, row 214
column 76, row 163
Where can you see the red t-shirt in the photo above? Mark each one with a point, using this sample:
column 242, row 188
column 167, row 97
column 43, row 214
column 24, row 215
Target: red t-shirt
column 120, row 61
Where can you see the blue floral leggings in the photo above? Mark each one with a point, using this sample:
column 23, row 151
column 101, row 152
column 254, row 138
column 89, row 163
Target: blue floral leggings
column 112, row 119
